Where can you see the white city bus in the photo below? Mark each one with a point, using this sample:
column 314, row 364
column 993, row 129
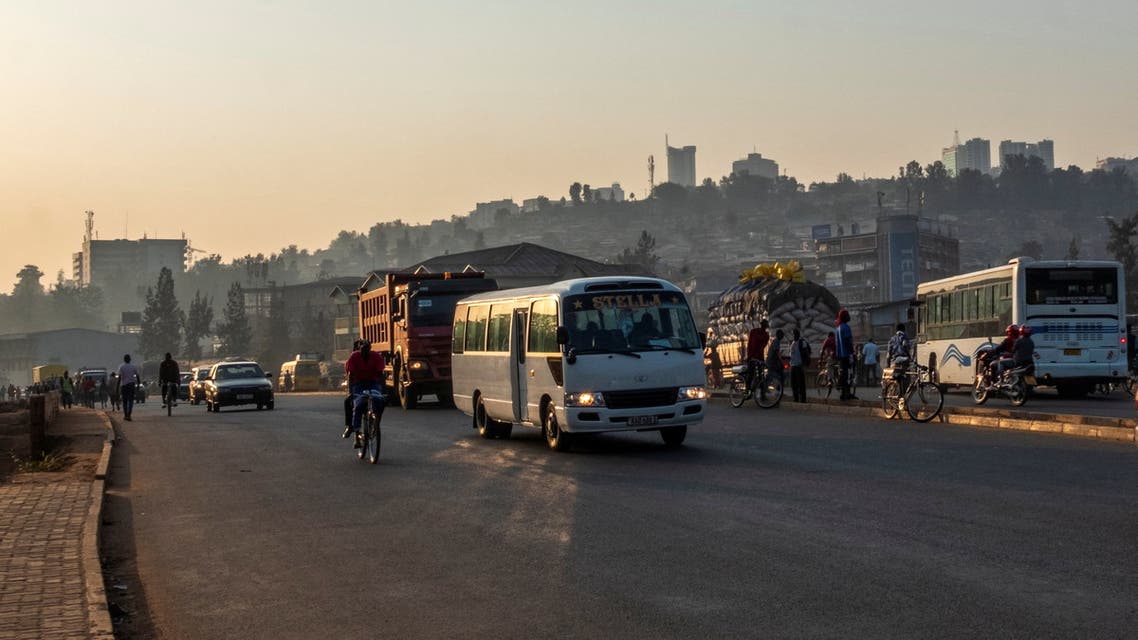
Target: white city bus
column 1075, row 308
column 579, row 356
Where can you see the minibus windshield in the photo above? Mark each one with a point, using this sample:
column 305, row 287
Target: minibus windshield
column 629, row 321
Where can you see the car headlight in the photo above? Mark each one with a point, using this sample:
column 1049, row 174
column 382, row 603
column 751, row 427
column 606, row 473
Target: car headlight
column 416, row 365
column 691, row 393
column 585, row 399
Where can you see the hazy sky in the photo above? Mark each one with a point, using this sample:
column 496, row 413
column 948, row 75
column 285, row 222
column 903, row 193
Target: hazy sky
column 253, row 125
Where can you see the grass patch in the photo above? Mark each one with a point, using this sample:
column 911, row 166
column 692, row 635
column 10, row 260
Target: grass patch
column 44, row 462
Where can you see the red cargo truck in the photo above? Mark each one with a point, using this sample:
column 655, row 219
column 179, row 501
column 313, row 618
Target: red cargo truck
column 409, row 320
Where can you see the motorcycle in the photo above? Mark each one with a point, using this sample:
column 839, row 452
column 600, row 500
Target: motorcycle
column 1013, row 384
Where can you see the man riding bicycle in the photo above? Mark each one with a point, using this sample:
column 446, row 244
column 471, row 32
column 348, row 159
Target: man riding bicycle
column 364, row 369
column 168, row 380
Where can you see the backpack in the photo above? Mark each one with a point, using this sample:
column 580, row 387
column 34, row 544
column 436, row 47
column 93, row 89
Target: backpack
column 804, row 350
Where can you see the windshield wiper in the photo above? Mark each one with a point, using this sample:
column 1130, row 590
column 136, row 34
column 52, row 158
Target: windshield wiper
column 657, row 347
column 602, row 350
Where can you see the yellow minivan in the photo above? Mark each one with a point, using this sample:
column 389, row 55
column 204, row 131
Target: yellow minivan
column 299, row 375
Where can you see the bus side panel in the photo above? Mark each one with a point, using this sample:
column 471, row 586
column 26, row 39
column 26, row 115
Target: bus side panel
column 464, row 375
column 494, row 378
column 955, row 359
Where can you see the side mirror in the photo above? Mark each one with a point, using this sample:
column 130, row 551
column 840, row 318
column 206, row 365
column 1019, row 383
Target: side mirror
column 269, row 376
column 562, row 336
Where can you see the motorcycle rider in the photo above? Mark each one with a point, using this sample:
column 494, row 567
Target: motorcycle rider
column 1023, row 353
column 1002, row 359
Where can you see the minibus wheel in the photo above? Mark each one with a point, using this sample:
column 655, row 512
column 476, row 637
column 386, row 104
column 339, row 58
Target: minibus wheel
column 487, row 426
column 557, row 439
column 674, row 436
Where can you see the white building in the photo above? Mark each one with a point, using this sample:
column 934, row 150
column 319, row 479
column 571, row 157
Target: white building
column 756, row 165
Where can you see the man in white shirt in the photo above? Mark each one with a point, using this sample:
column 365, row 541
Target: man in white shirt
column 128, row 378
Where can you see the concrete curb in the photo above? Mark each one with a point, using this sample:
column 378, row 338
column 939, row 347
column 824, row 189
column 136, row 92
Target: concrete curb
column 98, row 615
column 1115, row 429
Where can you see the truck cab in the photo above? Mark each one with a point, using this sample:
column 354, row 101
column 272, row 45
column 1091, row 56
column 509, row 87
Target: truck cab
column 408, row 320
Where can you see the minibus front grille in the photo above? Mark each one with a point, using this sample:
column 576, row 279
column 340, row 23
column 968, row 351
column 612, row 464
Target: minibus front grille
column 639, row 398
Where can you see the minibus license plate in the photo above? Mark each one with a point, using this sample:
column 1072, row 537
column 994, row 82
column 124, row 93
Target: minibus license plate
column 641, row 421
column 244, row 396
column 1072, row 352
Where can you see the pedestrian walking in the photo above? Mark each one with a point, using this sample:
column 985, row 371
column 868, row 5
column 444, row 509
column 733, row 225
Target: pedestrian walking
column 114, row 391
column 845, row 353
column 129, row 378
column 799, row 358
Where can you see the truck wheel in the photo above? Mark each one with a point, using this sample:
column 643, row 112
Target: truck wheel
column 408, row 396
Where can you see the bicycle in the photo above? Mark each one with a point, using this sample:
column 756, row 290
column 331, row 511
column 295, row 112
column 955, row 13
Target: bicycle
column 370, row 433
column 827, row 380
column 914, row 391
column 743, row 385
column 169, row 396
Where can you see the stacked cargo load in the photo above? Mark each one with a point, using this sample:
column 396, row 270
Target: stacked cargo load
column 778, row 293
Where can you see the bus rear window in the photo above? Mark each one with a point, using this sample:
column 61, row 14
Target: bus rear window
column 1072, row 286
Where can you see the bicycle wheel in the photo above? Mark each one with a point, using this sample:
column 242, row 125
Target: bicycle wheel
column 1128, row 385
column 890, row 393
column 738, row 393
column 769, row 392
column 924, row 401
column 170, row 396
column 371, row 440
column 366, row 422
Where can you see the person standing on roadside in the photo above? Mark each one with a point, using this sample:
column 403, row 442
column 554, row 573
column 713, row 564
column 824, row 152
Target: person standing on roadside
column 67, row 388
column 128, row 378
column 845, row 353
column 869, row 352
column 799, row 358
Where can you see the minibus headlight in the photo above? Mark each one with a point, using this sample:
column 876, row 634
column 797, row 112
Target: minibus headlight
column 692, row 393
column 585, row 399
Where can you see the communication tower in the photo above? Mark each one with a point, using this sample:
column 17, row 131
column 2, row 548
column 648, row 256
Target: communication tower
column 651, row 174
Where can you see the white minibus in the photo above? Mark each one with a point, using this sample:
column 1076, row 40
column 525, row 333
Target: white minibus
column 580, row 356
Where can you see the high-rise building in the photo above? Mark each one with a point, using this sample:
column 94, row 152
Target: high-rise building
column 755, row 164
column 976, row 154
column 123, row 269
column 1044, row 150
column 681, row 164
column 948, row 157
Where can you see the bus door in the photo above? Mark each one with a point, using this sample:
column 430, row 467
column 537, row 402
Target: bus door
column 518, row 376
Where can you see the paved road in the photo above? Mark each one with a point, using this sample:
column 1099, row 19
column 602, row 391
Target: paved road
column 766, row 524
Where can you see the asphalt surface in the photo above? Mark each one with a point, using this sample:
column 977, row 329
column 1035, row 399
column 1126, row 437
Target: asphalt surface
column 766, row 524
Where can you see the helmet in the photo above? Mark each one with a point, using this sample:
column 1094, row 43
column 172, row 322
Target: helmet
column 1025, row 330
column 1012, row 331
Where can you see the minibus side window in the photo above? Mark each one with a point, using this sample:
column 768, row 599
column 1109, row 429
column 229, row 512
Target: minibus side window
column 458, row 339
column 543, row 327
column 498, row 335
column 476, row 328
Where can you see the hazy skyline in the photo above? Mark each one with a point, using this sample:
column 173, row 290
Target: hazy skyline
column 252, row 126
